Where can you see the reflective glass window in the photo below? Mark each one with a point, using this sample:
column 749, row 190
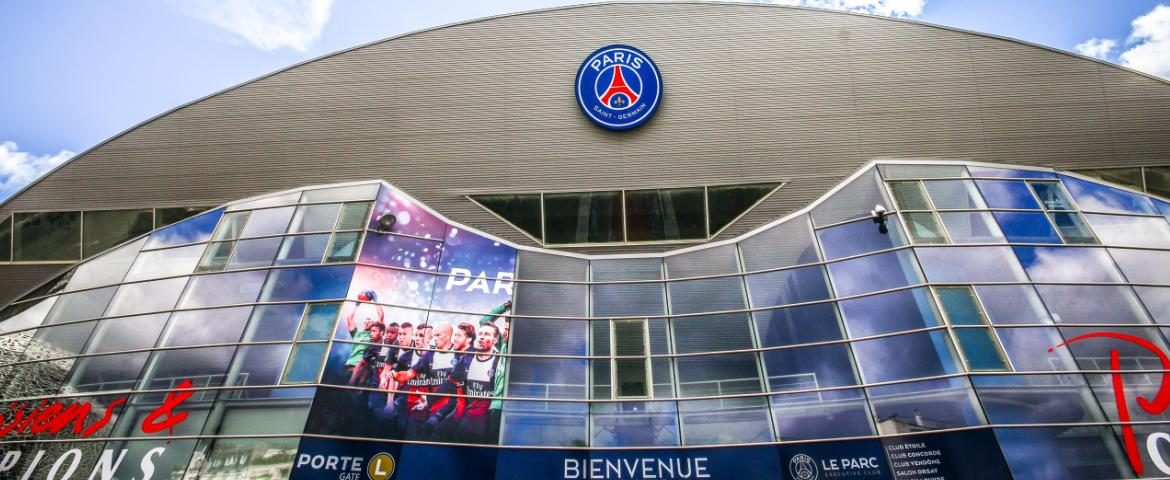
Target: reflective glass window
column 305, row 363
column 1158, row 181
column 1007, row 194
column 107, row 228
column 126, row 333
column 583, row 217
column 546, row 378
column 341, row 194
column 818, row 415
column 978, row 171
column 1008, row 304
column 1027, row 227
column 59, row 341
column 216, row 257
column 971, row 227
column 273, row 323
column 708, row 261
column 629, row 424
column 924, row 227
column 1095, row 354
column 783, row 287
column 80, row 305
column 1028, row 349
column 46, row 236
column 205, row 327
column 165, row 263
column 562, row 300
column 980, row 349
column 1129, row 176
column 873, row 273
column 302, row 249
column 621, row 300
column 922, row 406
column 232, row 226
column 319, row 321
column 25, row 315
column 711, row 375
column 307, row 283
column 354, row 216
column 1086, row 453
column 859, row 237
column 1009, row 399
column 787, row 244
column 903, row 171
column 167, row 216
column 793, row 325
column 106, row 372
column 901, row 357
column 246, row 457
column 223, row 289
column 344, row 247
column 852, row 201
column 521, row 210
column 1051, row 196
column 1126, row 231
column 909, row 195
column 729, row 331
column 145, row 297
column 969, row 264
column 960, row 305
column 1094, row 197
column 725, row 421
column 674, row 214
column 258, row 365
column 544, row 423
column 954, row 194
column 107, row 269
column 809, row 368
column 1143, row 266
column 1067, row 264
column 269, row 221
column 1072, row 227
column 728, row 202
column 549, row 336
column 192, row 230
column 315, row 218
column 706, row 295
column 889, row 312
column 1092, row 304
column 6, row 239
column 205, row 367
column 257, row 252
column 1157, row 301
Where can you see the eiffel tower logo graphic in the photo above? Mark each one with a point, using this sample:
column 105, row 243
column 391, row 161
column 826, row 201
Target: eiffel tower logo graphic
column 618, row 95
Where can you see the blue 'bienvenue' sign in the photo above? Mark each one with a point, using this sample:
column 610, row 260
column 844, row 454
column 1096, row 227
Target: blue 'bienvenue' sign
column 618, row 87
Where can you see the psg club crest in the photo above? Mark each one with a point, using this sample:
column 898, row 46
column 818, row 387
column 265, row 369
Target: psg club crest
column 618, row 87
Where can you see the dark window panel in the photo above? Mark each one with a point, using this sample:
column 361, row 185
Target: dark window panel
column 50, row 287
column 1086, row 453
column 167, row 216
column 655, row 215
column 1072, row 227
column 46, row 236
column 105, row 229
column 922, row 406
column 1051, row 195
column 344, row 247
column 728, row 202
column 594, row 217
column 1027, row 227
column 1129, row 177
column 6, row 239
column 1158, row 181
column 523, row 211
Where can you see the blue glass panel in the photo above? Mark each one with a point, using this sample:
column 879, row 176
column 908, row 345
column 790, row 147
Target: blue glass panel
column 907, row 356
column 1007, row 194
column 969, row 264
column 305, row 362
column 1067, row 264
column 725, row 421
column 307, row 283
column 632, row 424
column 1092, row 304
column 1126, row 231
column 1037, row 399
column 1012, row 304
column 1027, row 227
column 859, row 237
column 1163, row 208
column 1008, row 172
column 809, row 368
column 929, row 405
column 783, row 287
column 817, row 415
column 806, row 324
column 1085, row 453
column 223, row 289
column 545, row 423
column 1028, row 349
column 979, row 349
column 889, row 312
column 877, row 272
column 192, row 230
column 1095, row 197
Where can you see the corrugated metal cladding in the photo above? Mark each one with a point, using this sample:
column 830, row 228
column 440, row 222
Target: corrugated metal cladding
column 752, row 93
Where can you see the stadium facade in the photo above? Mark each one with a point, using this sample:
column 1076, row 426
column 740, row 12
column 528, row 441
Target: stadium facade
column 614, row 241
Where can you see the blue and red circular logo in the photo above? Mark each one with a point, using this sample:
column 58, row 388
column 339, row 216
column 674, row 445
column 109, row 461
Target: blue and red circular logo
column 618, row 87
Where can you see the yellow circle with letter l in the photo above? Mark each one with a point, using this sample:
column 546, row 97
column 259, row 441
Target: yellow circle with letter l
column 381, row 467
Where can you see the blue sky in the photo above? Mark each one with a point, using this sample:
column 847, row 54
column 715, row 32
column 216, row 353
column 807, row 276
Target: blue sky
column 76, row 74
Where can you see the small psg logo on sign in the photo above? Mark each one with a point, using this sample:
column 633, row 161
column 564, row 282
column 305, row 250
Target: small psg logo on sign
column 618, row 87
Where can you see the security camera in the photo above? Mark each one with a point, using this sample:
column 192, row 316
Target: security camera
column 386, row 222
column 878, row 213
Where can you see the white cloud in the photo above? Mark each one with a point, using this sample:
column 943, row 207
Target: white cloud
column 1149, row 49
column 888, row 8
column 18, row 168
column 1096, row 47
column 266, row 24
